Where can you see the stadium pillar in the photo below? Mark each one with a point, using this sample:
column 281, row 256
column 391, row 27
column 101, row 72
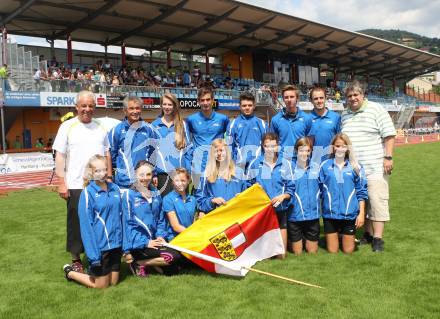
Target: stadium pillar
column 169, row 58
column 69, row 50
column 394, row 84
column 2, row 111
column 4, row 50
column 240, row 66
column 105, row 52
column 207, row 63
column 123, row 53
column 52, row 48
column 335, row 75
column 151, row 58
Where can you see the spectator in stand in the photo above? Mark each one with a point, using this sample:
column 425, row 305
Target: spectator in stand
column 39, row 143
column 17, row 143
column 37, row 79
column 4, row 74
column 186, row 78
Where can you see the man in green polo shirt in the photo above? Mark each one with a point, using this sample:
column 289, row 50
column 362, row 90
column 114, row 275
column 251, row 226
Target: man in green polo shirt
column 372, row 133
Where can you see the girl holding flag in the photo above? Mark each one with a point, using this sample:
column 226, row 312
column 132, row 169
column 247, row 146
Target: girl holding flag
column 222, row 180
column 99, row 213
column 344, row 192
column 145, row 226
column 274, row 175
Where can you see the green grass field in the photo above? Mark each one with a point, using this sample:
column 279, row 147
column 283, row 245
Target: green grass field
column 402, row 282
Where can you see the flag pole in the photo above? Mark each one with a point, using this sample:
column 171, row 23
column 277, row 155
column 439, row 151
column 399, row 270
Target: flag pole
column 293, row 281
column 236, row 267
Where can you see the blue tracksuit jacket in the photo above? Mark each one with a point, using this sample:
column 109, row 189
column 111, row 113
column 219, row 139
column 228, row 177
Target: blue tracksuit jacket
column 244, row 136
column 341, row 189
column 185, row 210
column 220, row 188
column 169, row 157
column 100, row 220
column 142, row 220
column 274, row 181
column 203, row 131
column 323, row 129
column 290, row 128
column 306, row 200
column 129, row 145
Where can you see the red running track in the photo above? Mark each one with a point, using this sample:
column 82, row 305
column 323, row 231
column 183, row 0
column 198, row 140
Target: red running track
column 18, row 181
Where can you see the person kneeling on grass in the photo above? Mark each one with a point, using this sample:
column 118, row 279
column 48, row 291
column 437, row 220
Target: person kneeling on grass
column 274, row 174
column 178, row 205
column 222, row 180
column 344, row 191
column 303, row 219
column 99, row 212
column 145, row 227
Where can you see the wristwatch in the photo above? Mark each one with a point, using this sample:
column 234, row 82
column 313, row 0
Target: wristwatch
column 388, row 158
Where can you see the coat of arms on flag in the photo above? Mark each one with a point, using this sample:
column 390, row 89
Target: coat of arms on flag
column 230, row 243
column 240, row 233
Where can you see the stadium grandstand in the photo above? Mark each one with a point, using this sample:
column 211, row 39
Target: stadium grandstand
column 228, row 45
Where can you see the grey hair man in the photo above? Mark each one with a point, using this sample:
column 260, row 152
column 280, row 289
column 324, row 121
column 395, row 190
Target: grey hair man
column 372, row 133
column 77, row 140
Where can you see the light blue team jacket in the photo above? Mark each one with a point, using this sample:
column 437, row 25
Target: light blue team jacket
column 128, row 145
column 142, row 220
column 100, row 220
column 342, row 189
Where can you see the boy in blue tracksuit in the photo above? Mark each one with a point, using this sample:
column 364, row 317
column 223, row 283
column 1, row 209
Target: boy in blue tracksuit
column 99, row 211
column 291, row 123
column 131, row 141
column 144, row 225
column 344, row 192
column 274, row 174
column 179, row 206
column 325, row 125
column 303, row 218
column 245, row 132
column 204, row 126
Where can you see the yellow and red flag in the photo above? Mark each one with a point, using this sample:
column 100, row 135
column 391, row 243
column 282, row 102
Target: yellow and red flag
column 238, row 234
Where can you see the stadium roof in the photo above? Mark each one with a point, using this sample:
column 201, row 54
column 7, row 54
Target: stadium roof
column 216, row 26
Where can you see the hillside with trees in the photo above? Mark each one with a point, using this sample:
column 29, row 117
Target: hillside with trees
column 406, row 38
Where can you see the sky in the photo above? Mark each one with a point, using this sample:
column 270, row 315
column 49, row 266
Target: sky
column 419, row 16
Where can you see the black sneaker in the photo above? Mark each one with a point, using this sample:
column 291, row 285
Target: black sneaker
column 366, row 239
column 378, row 245
column 67, row 268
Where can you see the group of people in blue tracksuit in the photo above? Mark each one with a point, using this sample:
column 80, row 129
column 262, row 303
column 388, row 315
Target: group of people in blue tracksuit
column 149, row 202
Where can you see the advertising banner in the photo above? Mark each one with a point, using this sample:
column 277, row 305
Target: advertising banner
column 67, row 99
column 25, row 162
column 22, row 99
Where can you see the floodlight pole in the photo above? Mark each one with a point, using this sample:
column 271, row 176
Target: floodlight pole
column 2, row 115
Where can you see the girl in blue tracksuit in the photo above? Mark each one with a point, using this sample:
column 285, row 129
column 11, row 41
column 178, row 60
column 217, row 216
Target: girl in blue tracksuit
column 99, row 211
column 303, row 218
column 145, row 226
column 221, row 182
column 245, row 132
column 275, row 176
column 344, row 192
column 174, row 144
column 179, row 206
